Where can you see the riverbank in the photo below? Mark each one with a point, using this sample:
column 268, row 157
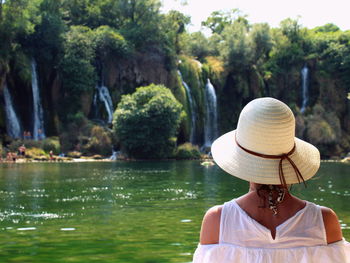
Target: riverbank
column 205, row 161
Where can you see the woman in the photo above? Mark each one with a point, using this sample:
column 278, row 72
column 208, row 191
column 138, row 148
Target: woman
column 268, row 224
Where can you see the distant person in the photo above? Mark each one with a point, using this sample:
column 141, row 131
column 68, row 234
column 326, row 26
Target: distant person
column 269, row 224
column 22, row 150
column 51, row 156
column 9, row 157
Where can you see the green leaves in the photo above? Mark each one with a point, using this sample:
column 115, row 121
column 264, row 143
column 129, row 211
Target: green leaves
column 146, row 122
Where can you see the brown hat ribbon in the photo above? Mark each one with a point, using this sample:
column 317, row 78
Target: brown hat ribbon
column 281, row 157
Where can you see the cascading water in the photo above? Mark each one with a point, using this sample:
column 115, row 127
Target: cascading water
column 304, row 88
column 114, row 155
column 193, row 112
column 12, row 122
column 102, row 94
column 211, row 121
column 38, row 114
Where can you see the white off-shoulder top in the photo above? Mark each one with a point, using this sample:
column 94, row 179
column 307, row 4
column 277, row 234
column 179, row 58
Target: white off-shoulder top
column 301, row 238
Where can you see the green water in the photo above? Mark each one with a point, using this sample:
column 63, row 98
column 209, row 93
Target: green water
column 127, row 211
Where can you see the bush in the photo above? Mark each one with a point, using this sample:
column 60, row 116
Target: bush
column 146, row 122
column 35, row 153
column 100, row 142
column 51, row 144
column 187, row 151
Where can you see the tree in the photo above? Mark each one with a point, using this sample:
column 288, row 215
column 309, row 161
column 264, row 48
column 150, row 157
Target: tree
column 235, row 49
column 218, row 20
column 146, row 122
column 327, row 28
column 196, row 44
column 47, row 40
column 78, row 72
column 16, row 24
column 261, row 41
column 109, row 42
column 174, row 24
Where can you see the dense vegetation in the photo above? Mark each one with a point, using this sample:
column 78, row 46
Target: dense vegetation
column 146, row 122
column 126, row 44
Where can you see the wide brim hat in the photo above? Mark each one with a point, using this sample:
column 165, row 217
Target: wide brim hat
column 264, row 145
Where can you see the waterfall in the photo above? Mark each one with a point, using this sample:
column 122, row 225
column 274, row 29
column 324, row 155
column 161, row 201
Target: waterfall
column 114, row 155
column 193, row 112
column 304, row 87
column 102, row 94
column 211, row 121
column 12, row 122
column 38, row 114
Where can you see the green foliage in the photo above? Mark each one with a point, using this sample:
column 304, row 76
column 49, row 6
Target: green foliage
column 187, row 151
column 109, row 42
column 173, row 25
column 327, row 28
column 235, row 49
column 51, row 144
column 78, row 72
column 146, row 122
column 47, row 40
column 219, row 20
column 45, row 146
column 261, row 42
column 193, row 76
column 195, row 44
column 75, row 132
column 323, row 128
column 35, row 153
column 140, row 22
column 99, row 142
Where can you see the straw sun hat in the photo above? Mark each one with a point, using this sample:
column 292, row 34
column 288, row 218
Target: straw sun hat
column 263, row 149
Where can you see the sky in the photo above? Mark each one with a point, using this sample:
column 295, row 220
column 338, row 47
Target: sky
column 310, row 13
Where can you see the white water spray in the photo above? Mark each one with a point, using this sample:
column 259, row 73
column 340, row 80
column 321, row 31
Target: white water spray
column 304, row 87
column 102, row 94
column 12, row 122
column 193, row 112
column 211, row 121
column 38, row 114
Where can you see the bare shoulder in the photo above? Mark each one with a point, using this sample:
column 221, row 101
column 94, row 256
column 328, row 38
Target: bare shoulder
column 331, row 224
column 211, row 226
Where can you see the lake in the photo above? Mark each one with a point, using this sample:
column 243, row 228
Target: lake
column 146, row 212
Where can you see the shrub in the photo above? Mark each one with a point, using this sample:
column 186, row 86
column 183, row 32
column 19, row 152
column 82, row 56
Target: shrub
column 14, row 145
column 51, row 144
column 99, row 143
column 35, row 153
column 187, row 151
column 146, row 122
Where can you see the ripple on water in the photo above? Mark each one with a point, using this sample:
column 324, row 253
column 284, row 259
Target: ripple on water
column 67, row 229
column 16, row 216
column 26, row 228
